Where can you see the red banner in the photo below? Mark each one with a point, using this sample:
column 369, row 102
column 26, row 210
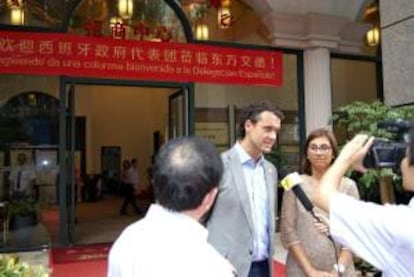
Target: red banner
column 72, row 55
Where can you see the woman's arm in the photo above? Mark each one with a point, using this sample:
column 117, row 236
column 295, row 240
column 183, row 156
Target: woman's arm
column 289, row 236
column 349, row 187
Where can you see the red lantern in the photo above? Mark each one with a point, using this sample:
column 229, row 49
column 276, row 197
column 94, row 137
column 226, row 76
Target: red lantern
column 118, row 31
column 163, row 33
column 215, row 3
column 141, row 30
column 93, row 28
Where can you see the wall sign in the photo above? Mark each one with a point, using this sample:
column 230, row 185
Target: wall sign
column 82, row 56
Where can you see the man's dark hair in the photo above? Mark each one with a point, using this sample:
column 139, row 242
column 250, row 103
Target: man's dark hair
column 252, row 112
column 185, row 170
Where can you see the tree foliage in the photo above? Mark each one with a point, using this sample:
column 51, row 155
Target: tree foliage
column 358, row 117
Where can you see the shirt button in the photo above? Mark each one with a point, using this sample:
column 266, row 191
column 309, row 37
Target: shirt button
column 250, row 252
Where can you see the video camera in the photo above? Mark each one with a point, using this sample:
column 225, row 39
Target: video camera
column 386, row 153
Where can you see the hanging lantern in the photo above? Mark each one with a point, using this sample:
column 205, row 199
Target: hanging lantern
column 373, row 36
column 117, row 27
column 15, row 3
column 125, row 8
column 225, row 3
column 17, row 16
column 202, row 31
column 114, row 20
column 224, row 18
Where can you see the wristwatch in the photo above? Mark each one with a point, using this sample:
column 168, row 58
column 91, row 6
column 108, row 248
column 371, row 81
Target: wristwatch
column 340, row 268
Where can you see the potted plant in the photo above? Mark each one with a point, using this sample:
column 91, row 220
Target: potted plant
column 11, row 266
column 364, row 117
column 279, row 160
column 23, row 213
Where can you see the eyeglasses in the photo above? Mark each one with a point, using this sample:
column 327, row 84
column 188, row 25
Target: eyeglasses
column 321, row 147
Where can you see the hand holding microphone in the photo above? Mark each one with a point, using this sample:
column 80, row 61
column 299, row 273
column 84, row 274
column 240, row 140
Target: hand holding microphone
column 292, row 182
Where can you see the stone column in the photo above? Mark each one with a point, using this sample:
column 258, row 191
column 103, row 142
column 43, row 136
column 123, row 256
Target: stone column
column 317, row 34
column 397, row 38
column 318, row 104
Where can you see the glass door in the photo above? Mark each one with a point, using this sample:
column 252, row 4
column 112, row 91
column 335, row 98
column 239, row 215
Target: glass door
column 67, row 186
column 178, row 120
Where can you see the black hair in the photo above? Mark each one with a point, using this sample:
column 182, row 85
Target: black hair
column 186, row 169
column 252, row 112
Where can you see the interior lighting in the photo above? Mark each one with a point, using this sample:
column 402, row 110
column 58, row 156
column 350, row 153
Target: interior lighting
column 202, row 31
column 17, row 16
column 125, row 8
column 224, row 17
column 373, row 36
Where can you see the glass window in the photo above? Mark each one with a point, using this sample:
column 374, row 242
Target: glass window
column 352, row 81
column 33, row 13
column 140, row 20
column 28, row 158
column 235, row 23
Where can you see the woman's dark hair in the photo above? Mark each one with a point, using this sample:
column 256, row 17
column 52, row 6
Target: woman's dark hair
column 306, row 167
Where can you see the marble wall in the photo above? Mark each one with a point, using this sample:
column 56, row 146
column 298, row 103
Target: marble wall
column 397, row 38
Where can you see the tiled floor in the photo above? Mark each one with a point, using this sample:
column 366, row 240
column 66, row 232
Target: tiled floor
column 101, row 222
column 280, row 252
column 42, row 257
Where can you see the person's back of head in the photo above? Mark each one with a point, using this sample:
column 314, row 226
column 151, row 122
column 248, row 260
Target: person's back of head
column 186, row 169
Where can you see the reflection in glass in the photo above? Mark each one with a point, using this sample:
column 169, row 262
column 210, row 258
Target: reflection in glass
column 136, row 20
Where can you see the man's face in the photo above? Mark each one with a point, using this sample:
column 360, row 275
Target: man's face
column 407, row 172
column 21, row 159
column 262, row 135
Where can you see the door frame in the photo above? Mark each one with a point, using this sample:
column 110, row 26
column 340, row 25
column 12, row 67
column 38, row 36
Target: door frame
column 67, row 230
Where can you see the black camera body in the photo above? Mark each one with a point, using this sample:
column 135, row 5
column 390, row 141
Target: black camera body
column 386, row 153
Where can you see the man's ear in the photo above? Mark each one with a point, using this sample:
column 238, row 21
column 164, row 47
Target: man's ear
column 248, row 124
column 207, row 205
column 209, row 199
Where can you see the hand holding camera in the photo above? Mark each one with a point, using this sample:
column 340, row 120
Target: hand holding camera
column 355, row 151
column 364, row 153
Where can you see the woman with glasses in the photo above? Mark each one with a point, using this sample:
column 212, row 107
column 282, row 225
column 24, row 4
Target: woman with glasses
column 310, row 251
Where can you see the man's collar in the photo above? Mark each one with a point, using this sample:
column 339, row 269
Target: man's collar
column 411, row 204
column 245, row 158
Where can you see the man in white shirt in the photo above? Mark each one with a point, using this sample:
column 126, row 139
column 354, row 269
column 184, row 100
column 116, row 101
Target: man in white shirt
column 169, row 240
column 382, row 235
column 131, row 183
column 241, row 225
column 22, row 178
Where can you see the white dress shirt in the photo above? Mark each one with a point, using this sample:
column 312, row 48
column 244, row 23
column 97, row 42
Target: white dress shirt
column 22, row 178
column 166, row 243
column 254, row 174
column 132, row 176
column 381, row 235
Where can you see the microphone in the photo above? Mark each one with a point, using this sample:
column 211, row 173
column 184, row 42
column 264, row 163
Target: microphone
column 291, row 182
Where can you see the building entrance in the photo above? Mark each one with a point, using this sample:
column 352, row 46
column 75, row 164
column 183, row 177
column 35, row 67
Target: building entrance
column 106, row 125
